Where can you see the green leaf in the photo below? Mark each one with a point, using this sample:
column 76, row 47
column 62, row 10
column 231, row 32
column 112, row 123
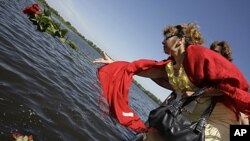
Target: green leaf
column 63, row 32
column 47, row 12
column 44, row 22
column 50, row 30
column 55, row 24
column 62, row 40
column 71, row 44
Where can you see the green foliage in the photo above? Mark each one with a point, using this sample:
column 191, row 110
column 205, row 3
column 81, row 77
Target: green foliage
column 148, row 93
column 43, row 22
column 68, row 23
column 47, row 12
column 61, row 33
column 46, row 24
column 71, row 44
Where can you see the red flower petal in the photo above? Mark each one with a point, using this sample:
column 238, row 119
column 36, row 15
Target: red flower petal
column 34, row 9
column 16, row 135
column 30, row 137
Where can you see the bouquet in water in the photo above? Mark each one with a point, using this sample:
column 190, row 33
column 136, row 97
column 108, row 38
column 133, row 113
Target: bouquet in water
column 45, row 23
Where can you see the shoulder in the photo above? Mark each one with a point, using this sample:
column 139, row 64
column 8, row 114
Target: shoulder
column 197, row 54
column 202, row 53
column 199, row 50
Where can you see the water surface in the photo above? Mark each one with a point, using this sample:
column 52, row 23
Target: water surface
column 49, row 90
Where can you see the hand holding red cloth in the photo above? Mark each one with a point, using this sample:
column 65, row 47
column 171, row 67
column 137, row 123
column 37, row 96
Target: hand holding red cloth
column 116, row 79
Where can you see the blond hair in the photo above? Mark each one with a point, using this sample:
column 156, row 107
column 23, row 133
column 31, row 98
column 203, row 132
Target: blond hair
column 190, row 31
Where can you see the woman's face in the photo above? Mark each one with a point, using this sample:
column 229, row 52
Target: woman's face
column 217, row 49
column 170, row 44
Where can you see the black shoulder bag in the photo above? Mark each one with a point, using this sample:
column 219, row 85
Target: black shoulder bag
column 174, row 126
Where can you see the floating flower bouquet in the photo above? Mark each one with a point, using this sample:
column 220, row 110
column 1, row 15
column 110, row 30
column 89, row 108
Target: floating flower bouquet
column 45, row 23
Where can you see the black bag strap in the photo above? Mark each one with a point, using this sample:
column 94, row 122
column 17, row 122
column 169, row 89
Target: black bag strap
column 198, row 93
column 208, row 111
column 205, row 115
column 179, row 104
column 186, row 100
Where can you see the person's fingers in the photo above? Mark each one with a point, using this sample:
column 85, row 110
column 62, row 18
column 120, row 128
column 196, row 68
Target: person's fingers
column 105, row 55
column 98, row 60
column 105, row 59
column 95, row 61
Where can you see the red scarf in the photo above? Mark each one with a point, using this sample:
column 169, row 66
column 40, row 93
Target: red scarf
column 203, row 67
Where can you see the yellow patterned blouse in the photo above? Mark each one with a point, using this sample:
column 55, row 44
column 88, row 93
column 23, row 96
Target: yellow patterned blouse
column 180, row 83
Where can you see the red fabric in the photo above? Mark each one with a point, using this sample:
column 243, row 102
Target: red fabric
column 203, row 67
column 115, row 80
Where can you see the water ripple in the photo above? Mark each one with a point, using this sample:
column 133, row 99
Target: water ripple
column 50, row 90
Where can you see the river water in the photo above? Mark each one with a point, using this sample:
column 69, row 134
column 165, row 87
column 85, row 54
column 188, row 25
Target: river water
column 49, row 90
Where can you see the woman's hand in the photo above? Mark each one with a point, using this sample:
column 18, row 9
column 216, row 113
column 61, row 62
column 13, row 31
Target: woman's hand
column 188, row 93
column 105, row 59
column 209, row 92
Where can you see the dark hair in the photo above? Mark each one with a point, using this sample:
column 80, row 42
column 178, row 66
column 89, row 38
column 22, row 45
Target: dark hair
column 225, row 49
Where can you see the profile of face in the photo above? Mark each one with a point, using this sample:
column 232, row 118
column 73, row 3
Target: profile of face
column 170, row 44
column 217, row 49
column 178, row 37
column 223, row 48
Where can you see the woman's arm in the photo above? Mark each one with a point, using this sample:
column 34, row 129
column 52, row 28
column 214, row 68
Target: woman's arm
column 158, row 75
column 149, row 73
column 153, row 73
